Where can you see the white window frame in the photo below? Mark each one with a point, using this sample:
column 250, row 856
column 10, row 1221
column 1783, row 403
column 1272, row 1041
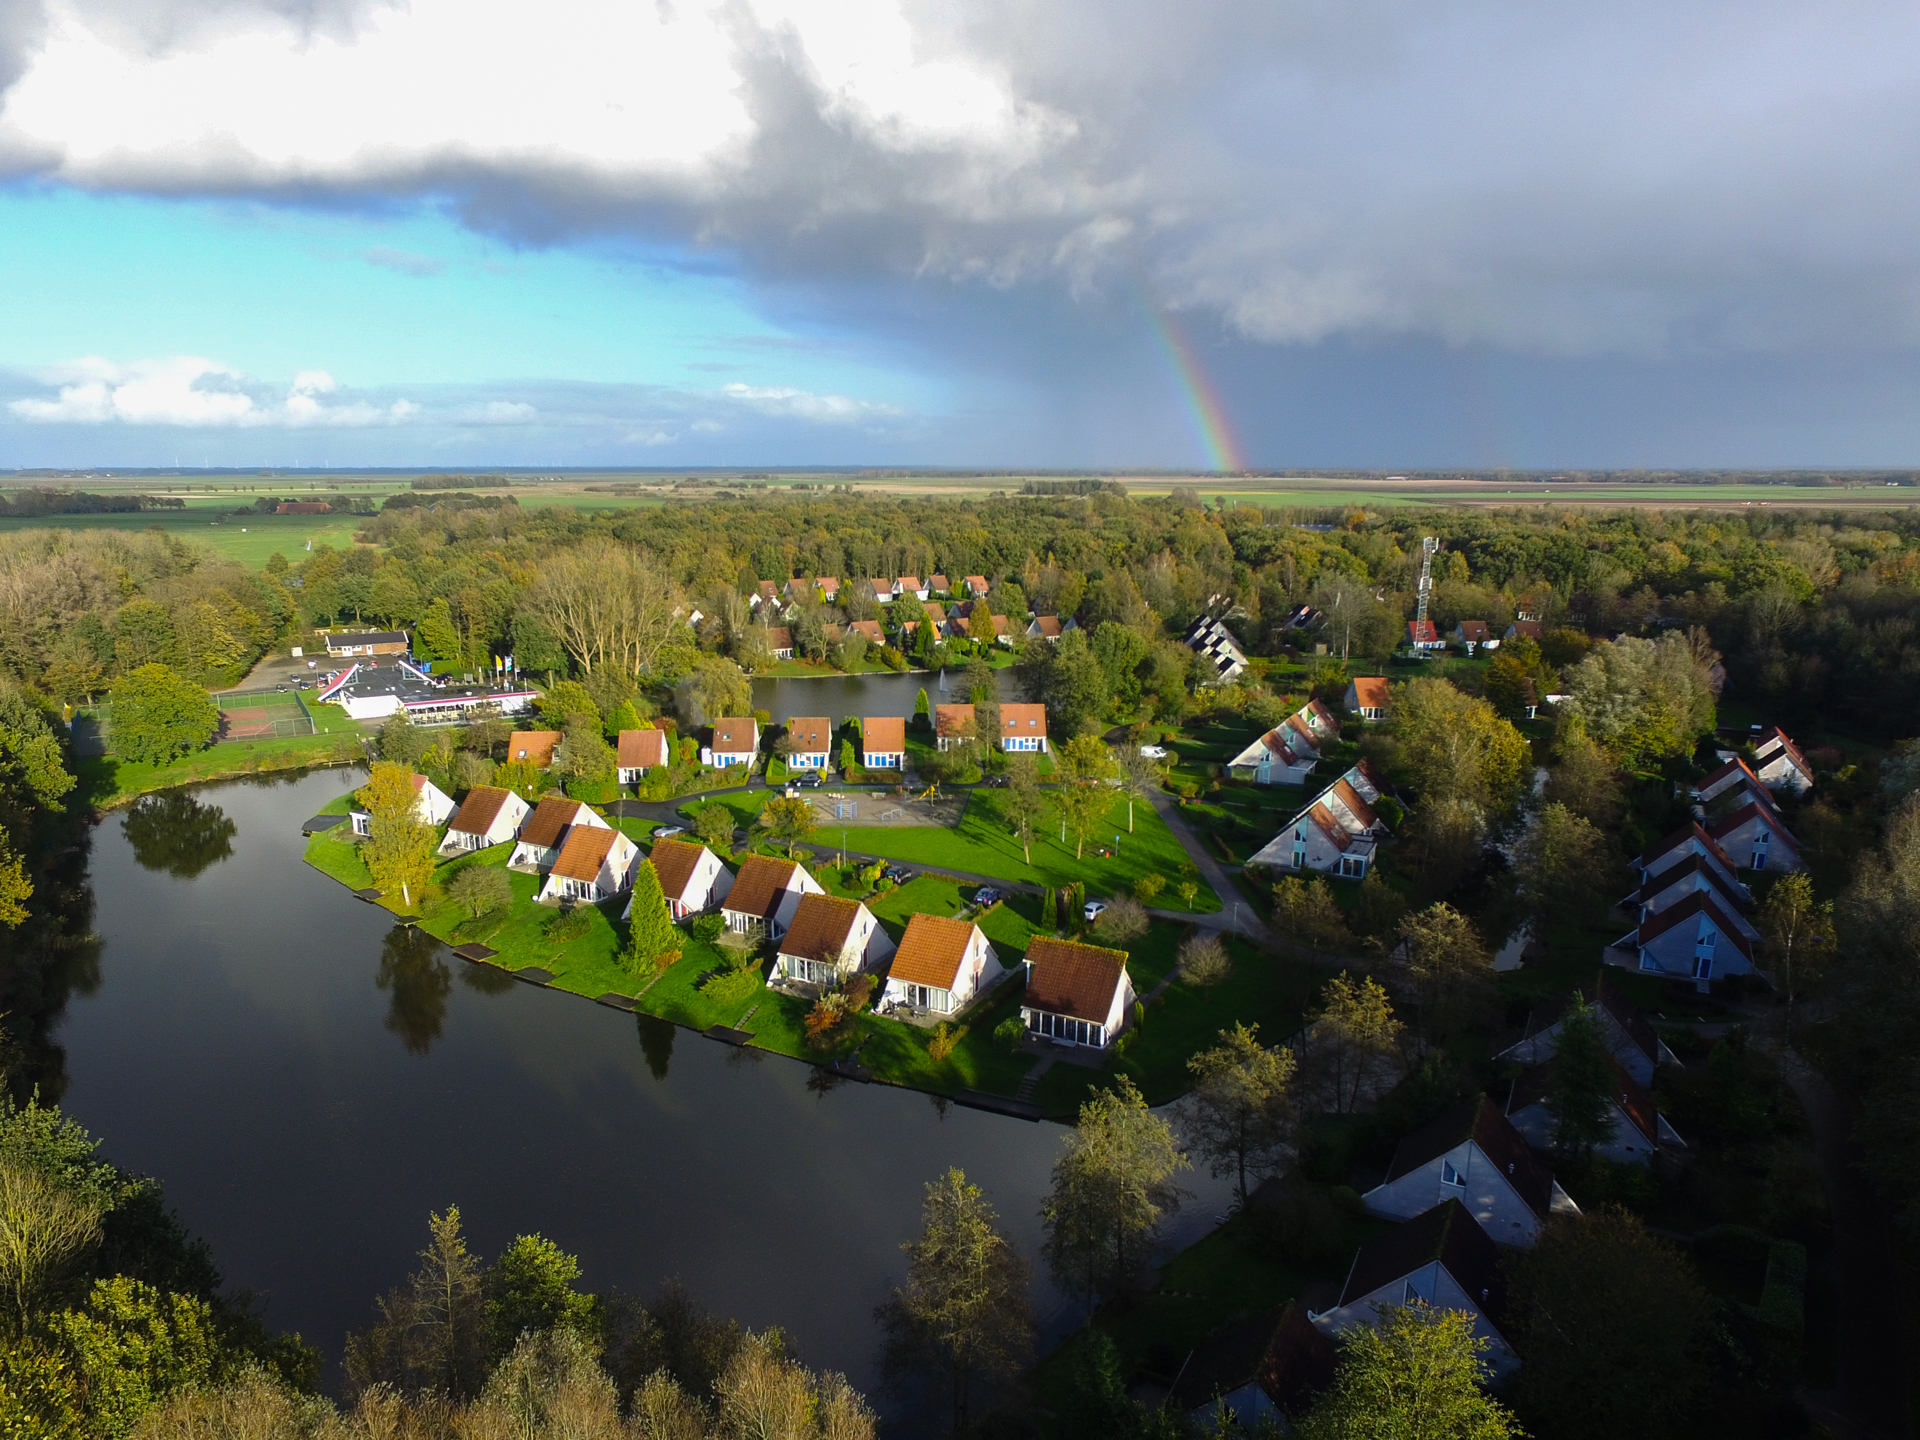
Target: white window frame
column 1450, row 1175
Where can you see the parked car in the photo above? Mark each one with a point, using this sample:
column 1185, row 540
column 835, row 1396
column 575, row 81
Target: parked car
column 995, row 782
column 812, row 780
column 1094, row 907
column 667, row 832
column 985, row 895
column 898, row 875
column 1153, row 752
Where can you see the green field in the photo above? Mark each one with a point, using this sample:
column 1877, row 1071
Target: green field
column 211, row 522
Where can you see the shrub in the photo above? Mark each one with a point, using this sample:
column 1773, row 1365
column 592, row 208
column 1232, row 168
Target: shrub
column 945, row 1040
column 732, row 985
column 706, row 928
column 1148, row 887
column 1122, row 922
column 824, row 1021
column 1010, row 1032
column 1300, row 1228
column 859, row 992
column 569, row 924
column 1187, row 891
column 480, row 890
column 665, row 961
column 1204, row 961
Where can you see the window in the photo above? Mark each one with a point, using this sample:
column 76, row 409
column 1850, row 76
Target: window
column 1759, row 860
column 1413, row 1295
column 1451, row 1176
column 1703, row 966
column 1299, row 859
column 1353, row 867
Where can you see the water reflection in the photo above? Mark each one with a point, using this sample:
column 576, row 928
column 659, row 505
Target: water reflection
column 177, row 835
column 487, row 979
column 52, row 955
column 419, row 981
column 656, row 1043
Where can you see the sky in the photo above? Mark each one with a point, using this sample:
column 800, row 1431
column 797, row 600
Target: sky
column 1239, row 234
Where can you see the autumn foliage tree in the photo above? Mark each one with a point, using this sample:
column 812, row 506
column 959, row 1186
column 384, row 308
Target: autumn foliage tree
column 398, row 850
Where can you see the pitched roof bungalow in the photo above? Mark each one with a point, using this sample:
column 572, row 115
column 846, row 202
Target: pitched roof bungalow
column 1076, row 994
column 1733, row 774
column 779, row 641
column 1440, row 1257
column 941, row 966
column 1474, row 1155
column 1424, row 635
column 810, row 742
column 546, row 829
column 1286, row 754
column 1779, row 763
column 766, row 592
column 879, row 591
column 1690, row 840
column 1212, row 639
column 1631, row 1038
column 1336, row 833
column 488, row 816
column 953, row 724
column 535, row 747
column 883, row 742
column 829, row 940
column 765, row 895
column 736, row 740
column 909, row 585
column 1044, row 627
column 1696, row 873
column 829, row 587
column 1367, row 697
column 1474, row 633
column 691, row 876
column 594, row 863
column 638, row 751
column 1636, row 1127
column 977, row 586
column 869, row 630
column 1524, row 629
column 939, row 585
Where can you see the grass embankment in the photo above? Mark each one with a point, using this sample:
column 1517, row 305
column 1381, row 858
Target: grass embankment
column 106, row 781
column 1263, row 989
column 981, row 844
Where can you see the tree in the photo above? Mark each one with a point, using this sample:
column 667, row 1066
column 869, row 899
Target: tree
column 1137, row 776
column 1355, row 619
column 1583, row 777
column 585, row 758
column 159, row 715
column 714, row 823
column 651, row 931
column 132, row 1346
column 1022, row 804
column 1307, row 910
column 1081, row 809
column 480, row 890
column 713, row 688
column 1450, row 745
column 1111, row 1189
column 1580, row 1083
column 177, row 834
column 529, row 1290
column 608, row 605
column 1074, row 686
column 401, row 741
column 566, row 701
column 398, row 850
column 15, row 888
column 44, row 1226
column 1239, row 1117
column 1083, row 760
column 787, row 820
column 436, row 637
column 983, row 693
column 1358, row 1034
column 1559, row 864
column 1444, row 843
column 434, row 1333
column 1122, row 922
column 142, row 635
column 1447, row 960
column 1615, row 1328
column 980, row 626
column 1798, row 929
column 1415, row 1374
column 1644, row 700
column 394, row 597
column 922, row 712
column 962, row 1313
column 1204, row 961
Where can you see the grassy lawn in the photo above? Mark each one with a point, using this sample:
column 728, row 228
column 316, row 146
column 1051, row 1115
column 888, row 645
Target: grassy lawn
column 106, row 781
column 250, row 539
column 1266, row 990
column 981, row 845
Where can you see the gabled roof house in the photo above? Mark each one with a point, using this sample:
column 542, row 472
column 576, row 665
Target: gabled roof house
column 1266, row 1368
column 1440, row 1257
column 1286, row 754
column 1474, row 1155
column 765, row 895
column 545, row 830
column 594, row 863
column 1367, row 697
column 810, row 742
column 1755, row 838
column 431, row 806
column 1637, row 1126
column 488, row 816
column 691, row 876
column 1631, row 1038
column 638, row 751
column 883, row 742
column 1076, row 994
column 1697, row 939
column 1779, row 763
column 941, row 966
column 1336, row 833
column 535, row 747
column 736, row 740
column 828, row 940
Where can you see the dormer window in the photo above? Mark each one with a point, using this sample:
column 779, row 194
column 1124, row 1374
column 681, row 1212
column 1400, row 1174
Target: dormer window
column 1450, row 1176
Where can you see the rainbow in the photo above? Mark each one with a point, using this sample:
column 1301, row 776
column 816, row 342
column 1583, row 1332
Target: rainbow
column 1203, row 400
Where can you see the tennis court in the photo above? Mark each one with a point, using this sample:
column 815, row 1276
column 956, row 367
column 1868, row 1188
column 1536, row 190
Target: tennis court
column 261, row 713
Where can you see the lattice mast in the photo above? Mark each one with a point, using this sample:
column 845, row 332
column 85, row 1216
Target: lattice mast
column 1428, row 545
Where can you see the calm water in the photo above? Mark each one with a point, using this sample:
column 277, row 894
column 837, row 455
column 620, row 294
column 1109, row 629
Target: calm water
column 839, row 696
column 309, row 1082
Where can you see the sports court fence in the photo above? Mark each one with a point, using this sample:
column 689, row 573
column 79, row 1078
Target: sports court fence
column 257, row 714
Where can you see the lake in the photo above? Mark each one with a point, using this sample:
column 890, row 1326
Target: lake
column 839, row 696
column 309, row 1081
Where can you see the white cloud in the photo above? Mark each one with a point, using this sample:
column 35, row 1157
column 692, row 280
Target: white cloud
column 188, row 391
column 498, row 412
column 803, row 404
